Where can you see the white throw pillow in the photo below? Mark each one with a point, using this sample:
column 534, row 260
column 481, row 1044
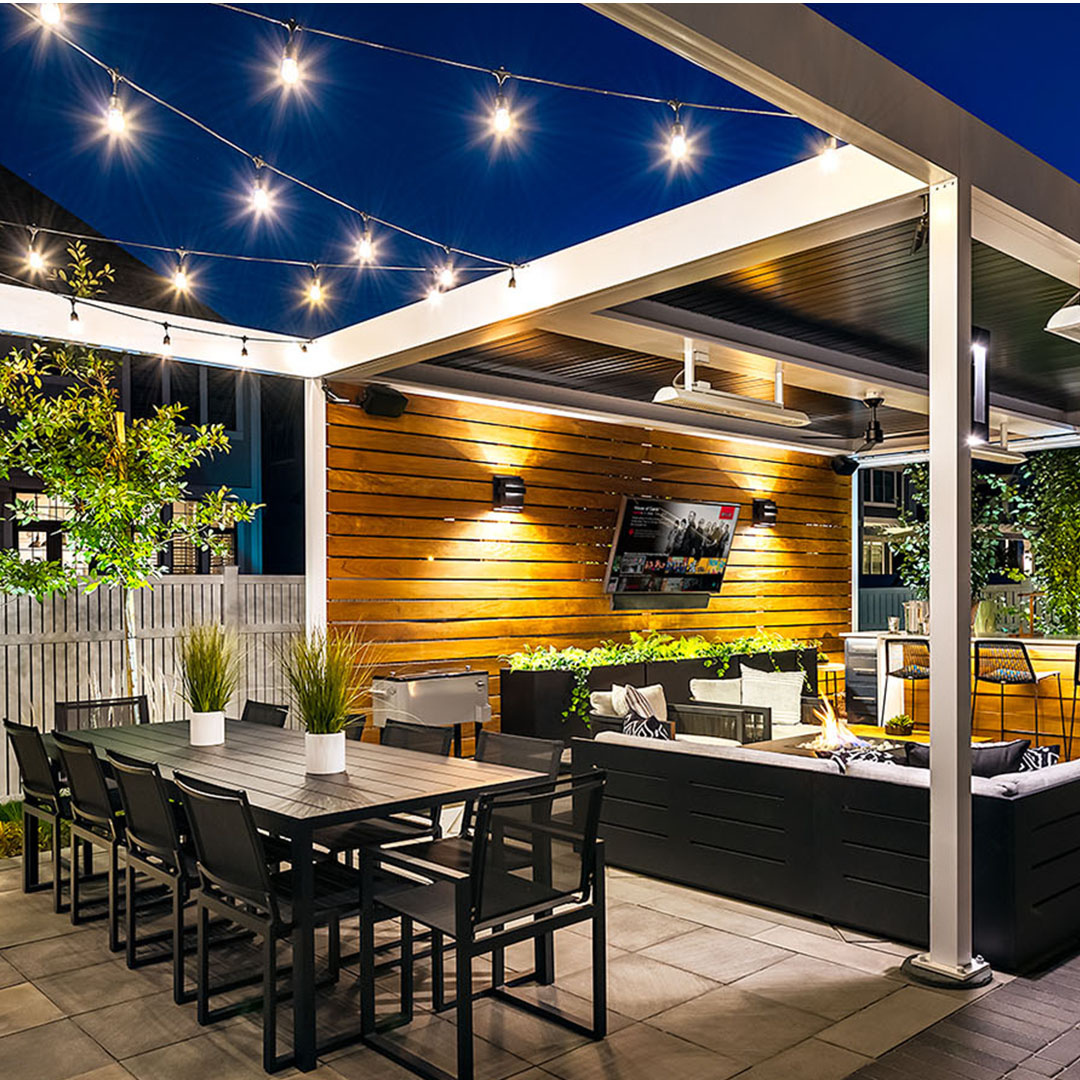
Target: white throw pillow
column 654, row 695
column 601, row 704
column 780, row 691
column 717, row 691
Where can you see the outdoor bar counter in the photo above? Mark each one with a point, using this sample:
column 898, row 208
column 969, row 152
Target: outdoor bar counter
column 871, row 655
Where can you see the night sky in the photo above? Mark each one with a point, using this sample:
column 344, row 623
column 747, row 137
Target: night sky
column 411, row 141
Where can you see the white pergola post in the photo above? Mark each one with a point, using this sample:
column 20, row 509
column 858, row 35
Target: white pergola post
column 314, row 504
column 950, row 956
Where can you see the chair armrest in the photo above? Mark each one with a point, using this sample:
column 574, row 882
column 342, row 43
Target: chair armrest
column 744, row 723
column 398, row 857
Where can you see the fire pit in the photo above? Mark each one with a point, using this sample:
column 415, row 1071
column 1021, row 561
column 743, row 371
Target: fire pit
column 835, row 734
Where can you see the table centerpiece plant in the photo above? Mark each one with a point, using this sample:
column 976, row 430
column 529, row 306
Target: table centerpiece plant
column 209, row 673
column 330, row 677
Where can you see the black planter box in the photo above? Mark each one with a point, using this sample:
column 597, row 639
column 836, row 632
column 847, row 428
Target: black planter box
column 533, row 702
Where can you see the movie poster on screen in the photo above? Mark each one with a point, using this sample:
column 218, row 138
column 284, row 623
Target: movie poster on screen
column 664, row 546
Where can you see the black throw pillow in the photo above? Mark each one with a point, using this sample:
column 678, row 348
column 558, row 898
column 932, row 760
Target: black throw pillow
column 987, row 759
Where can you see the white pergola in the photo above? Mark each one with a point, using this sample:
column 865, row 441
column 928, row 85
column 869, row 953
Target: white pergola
column 906, row 142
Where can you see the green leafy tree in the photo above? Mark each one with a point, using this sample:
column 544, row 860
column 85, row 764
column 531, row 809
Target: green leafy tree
column 1049, row 516
column 993, row 508
column 115, row 477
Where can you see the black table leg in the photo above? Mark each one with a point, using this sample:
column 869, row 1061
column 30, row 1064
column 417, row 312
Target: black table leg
column 303, row 950
column 31, row 859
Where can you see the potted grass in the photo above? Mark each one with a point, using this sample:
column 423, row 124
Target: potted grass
column 329, row 676
column 209, row 671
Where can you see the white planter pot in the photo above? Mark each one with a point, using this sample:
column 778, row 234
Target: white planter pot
column 207, row 728
column 325, row 753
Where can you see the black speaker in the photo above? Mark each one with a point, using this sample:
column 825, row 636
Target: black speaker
column 380, row 400
column 844, row 466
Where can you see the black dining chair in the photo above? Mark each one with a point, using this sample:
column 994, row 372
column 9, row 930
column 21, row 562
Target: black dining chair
column 235, row 882
column 96, row 822
column 562, row 884
column 100, row 713
column 260, row 712
column 43, row 801
column 1007, row 663
column 155, row 848
column 914, row 668
column 424, row 739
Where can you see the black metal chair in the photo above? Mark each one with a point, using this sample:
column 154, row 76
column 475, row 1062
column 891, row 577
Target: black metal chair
column 422, row 738
column 96, row 821
column 102, row 713
column 915, row 667
column 236, row 883
column 43, row 801
column 562, row 884
column 1006, row 663
column 260, row 712
column 155, row 848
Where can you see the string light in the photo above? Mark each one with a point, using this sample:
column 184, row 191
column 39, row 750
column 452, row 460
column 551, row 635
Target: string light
column 512, row 283
column 829, row 151
column 74, row 314
column 166, row 343
column 290, row 66
column 315, row 293
column 445, row 277
column 34, row 259
column 260, row 196
column 180, row 277
column 677, row 144
column 243, row 346
column 434, row 295
column 365, row 248
column 501, row 120
column 51, row 14
column 114, row 115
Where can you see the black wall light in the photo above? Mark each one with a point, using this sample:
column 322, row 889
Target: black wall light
column 508, row 493
column 764, row 515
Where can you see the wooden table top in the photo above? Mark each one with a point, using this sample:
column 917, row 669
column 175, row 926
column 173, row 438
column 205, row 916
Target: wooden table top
column 268, row 763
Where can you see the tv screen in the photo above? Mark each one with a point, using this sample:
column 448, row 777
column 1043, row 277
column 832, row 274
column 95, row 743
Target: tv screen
column 664, row 546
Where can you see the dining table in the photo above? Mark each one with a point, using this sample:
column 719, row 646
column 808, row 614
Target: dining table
column 268, row 763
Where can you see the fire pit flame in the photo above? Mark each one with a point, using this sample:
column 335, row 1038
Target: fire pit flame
column 835, row 734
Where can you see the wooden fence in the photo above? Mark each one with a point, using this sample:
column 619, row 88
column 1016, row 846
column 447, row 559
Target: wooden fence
column 70, row 647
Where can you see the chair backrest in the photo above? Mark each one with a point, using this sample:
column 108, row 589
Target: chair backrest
column 149, row 817
column 104, row 712
column 90, row 800
column 535, row 848
column 228, row 847
column 916, row 655
column 519, row 752
column 260, row 712
column 1003, row 661
column 38, row 779
column 426, row 738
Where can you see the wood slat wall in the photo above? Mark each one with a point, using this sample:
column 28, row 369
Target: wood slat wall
column 418, row 557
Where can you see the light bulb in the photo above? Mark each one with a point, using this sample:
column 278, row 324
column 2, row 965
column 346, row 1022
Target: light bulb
column 502, row 120
column 828, row 159
column 74, row 313
column 180, row 280
column 260, row 197
column 114, row 118
column 315, row 292
column 243, row 346
column 51, row 14
column 445, row 277
column 677, row 145
column 166, row 343
column 435, row 295
column 290, row 69
column 365, row 249
column 34, row 259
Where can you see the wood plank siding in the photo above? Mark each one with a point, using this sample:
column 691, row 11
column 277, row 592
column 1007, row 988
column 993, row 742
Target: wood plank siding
column 418, row 557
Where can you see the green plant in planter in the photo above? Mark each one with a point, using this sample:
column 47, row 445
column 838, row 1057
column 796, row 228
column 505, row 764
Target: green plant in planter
column 209, row 668
column 11, row 830
column 330, row 677
column 641, row 648
column 900, row 725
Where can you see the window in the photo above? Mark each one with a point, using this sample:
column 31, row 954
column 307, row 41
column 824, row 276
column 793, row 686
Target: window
column 209, row 395
column 881, row 487
column 877, row 557
column 189, row 559
column 40, row 538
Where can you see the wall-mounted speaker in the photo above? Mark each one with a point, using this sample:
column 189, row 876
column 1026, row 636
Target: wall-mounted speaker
column 380, row 400
column 844, row 466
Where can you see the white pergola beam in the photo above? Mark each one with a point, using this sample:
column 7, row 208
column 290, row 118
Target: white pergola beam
column 315, row 505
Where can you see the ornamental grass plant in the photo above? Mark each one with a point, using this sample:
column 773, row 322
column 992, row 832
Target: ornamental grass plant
column 209, row 668
column 330, row 677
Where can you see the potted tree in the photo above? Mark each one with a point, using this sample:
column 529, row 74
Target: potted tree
column 329, row 675
column 209, row 672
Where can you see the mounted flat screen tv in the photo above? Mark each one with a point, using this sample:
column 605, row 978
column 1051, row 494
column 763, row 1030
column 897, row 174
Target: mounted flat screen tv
column 663, row 547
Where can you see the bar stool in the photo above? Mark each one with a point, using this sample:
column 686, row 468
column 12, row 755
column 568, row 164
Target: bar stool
column 835, row 670
column 1007, row 663
column 915, row 666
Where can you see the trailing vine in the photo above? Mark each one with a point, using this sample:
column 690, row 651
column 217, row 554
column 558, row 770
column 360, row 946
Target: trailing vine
column 643, row 647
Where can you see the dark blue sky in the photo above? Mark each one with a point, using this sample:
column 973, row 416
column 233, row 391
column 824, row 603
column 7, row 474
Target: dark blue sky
column 409, row 141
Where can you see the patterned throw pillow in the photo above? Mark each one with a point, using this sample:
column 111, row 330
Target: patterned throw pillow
column 859, row 753
column 1039, row 757
column 646, row 728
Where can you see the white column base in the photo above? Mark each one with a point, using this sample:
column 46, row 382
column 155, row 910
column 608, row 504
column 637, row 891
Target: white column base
column 975, row 973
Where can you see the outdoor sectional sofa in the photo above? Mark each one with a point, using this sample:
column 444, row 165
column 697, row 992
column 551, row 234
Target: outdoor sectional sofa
column 796, row 834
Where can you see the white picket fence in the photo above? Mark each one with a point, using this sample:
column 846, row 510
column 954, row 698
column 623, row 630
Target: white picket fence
column 70, row 647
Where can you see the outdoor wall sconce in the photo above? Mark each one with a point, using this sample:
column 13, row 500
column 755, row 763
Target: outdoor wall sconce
column 980, row 386
column 508, row 493
column 764, row 515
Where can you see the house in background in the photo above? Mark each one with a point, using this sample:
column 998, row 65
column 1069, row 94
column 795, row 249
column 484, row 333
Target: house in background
column 262, row 414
